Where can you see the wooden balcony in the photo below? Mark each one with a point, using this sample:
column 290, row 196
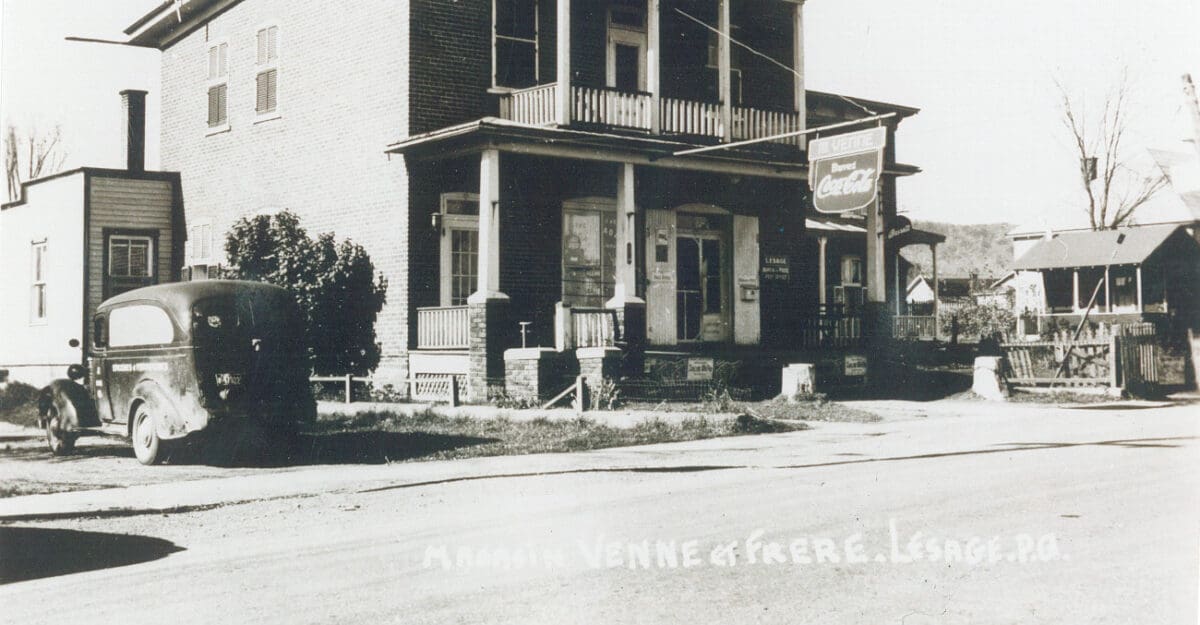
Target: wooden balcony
column 443, row 327
column 609, row 108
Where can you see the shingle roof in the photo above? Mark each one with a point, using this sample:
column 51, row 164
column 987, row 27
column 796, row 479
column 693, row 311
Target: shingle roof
column 1096, row 248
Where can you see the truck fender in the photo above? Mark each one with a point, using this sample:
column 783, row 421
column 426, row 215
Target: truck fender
column 168, row 421
column 76, row 408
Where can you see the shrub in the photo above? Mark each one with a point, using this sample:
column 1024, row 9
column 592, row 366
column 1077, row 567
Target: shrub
column 334, row 284
column 976, row 320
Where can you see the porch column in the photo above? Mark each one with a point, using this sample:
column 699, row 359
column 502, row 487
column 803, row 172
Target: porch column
column 1107, row 293
column 631, row 309
column 1141, row 309
column 899, row 293
column 563, row 63
column 821, row 270
column 653, row 68
column 724, row 84
column 799, row 94
column 487, row 307
column 933, row 252
column 1075, row 290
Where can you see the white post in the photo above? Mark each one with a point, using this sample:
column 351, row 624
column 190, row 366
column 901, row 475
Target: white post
column 821, row 296
column 801, row 99
column 1139, row 290
column 1075, row 290
column 724, row 85
column 653, row 68
column 1107, row 294
column 899, row 298
column 489, row 229
column 625, row 289
column 563, row 63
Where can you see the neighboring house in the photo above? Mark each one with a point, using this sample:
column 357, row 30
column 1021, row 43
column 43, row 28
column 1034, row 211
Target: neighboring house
column 74, row 239
column 509, row 161
column 1140, row 273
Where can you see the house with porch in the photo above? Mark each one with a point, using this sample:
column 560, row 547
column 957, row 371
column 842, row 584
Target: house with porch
column 1133, row 274
column 599, row 185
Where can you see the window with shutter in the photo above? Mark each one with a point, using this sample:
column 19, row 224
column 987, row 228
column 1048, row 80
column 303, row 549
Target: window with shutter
column 266, row 81
column 37, row 299
column 218, row 85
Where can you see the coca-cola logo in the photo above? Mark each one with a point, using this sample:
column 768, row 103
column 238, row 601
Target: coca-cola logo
column 845, row 184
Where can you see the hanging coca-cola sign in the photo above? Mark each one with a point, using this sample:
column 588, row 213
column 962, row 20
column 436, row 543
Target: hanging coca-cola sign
column 844, row 170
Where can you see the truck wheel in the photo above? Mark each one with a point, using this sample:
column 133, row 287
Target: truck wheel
column 146, row 445
column 60, row 443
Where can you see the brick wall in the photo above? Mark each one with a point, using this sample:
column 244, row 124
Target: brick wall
column 342, row 97
column 451, row 62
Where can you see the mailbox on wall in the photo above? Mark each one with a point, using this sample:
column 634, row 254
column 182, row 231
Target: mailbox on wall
column 748, row 290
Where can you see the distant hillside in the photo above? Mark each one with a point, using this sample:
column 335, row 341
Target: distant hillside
column 969, row 248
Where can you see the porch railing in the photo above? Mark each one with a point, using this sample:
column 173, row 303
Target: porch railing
column 749, row 123
column 442, row 327
column 609, row 107
column 535, row 105
column 920, row 327
column 831, row 327
column 685, row 117
column 602, row 106
column 577, row 327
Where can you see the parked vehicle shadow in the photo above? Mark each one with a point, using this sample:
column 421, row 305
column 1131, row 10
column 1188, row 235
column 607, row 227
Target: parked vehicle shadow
column 356, row 447
column 35, row 553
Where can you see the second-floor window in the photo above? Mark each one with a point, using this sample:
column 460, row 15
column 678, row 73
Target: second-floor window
column 218, row 84
column 514, row 43
column 37, row 311
column 266, row 81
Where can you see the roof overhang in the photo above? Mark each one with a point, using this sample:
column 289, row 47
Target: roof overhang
column 507, row 136
column 170, row 21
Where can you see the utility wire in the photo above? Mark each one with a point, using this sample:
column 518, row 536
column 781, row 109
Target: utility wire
column 751, row 50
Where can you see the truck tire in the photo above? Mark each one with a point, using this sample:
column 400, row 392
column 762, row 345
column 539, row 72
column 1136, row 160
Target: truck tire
column 146, row 444
column 61, row 443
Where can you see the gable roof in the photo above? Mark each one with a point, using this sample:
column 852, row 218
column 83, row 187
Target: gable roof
column 1096, row 248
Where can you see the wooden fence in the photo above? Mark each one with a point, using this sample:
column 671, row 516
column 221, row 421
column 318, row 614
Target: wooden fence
column 421, row 387
column 1117, row 357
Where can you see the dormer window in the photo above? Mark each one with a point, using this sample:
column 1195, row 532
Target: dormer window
column 515, row 43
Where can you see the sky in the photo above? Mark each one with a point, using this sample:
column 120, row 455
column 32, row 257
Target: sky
column 988, row 137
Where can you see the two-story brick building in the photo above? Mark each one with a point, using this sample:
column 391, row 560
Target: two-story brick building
column 509, row 161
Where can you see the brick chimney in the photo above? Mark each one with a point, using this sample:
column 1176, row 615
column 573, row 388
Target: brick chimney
column 133, row 104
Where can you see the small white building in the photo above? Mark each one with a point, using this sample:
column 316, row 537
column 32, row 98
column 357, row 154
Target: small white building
column 74, row 239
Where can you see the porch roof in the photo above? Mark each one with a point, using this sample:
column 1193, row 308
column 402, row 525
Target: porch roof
column 1096, row 248
column 609, row 146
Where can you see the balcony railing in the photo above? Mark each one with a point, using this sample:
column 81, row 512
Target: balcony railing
column 600, row 106
column 577, row 326
column 442, row 327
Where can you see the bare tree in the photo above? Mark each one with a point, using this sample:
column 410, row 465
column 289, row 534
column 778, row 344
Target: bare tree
column 1114, row 190
column 30, row 155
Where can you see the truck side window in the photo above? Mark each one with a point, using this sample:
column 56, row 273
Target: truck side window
column 138, row 325
column 99, row 332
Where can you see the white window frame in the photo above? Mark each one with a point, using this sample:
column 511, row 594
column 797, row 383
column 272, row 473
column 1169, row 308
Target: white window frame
column 536, row 42
column 39, row 251
column 618, row 35
column 453, row 222
column 131, row 238
column 262, row 66
column 214, row 79
column 196, row 255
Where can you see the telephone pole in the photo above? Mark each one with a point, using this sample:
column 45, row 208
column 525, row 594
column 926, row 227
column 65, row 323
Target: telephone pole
column 1189, row 97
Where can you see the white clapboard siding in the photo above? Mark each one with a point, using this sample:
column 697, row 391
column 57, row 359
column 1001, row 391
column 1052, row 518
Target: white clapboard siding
column 127, row 204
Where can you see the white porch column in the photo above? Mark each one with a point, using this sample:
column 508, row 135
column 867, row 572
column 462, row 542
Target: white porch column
column 563, row 62
column 821, row 296
column 489, row 229
column 724, row 84
column 653, row 65
column 1139, row 290
column 933, row 252
column 801, row 99
column 899, row 293
column 1075, row 290
column 625, row 290
column 1107, row 293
